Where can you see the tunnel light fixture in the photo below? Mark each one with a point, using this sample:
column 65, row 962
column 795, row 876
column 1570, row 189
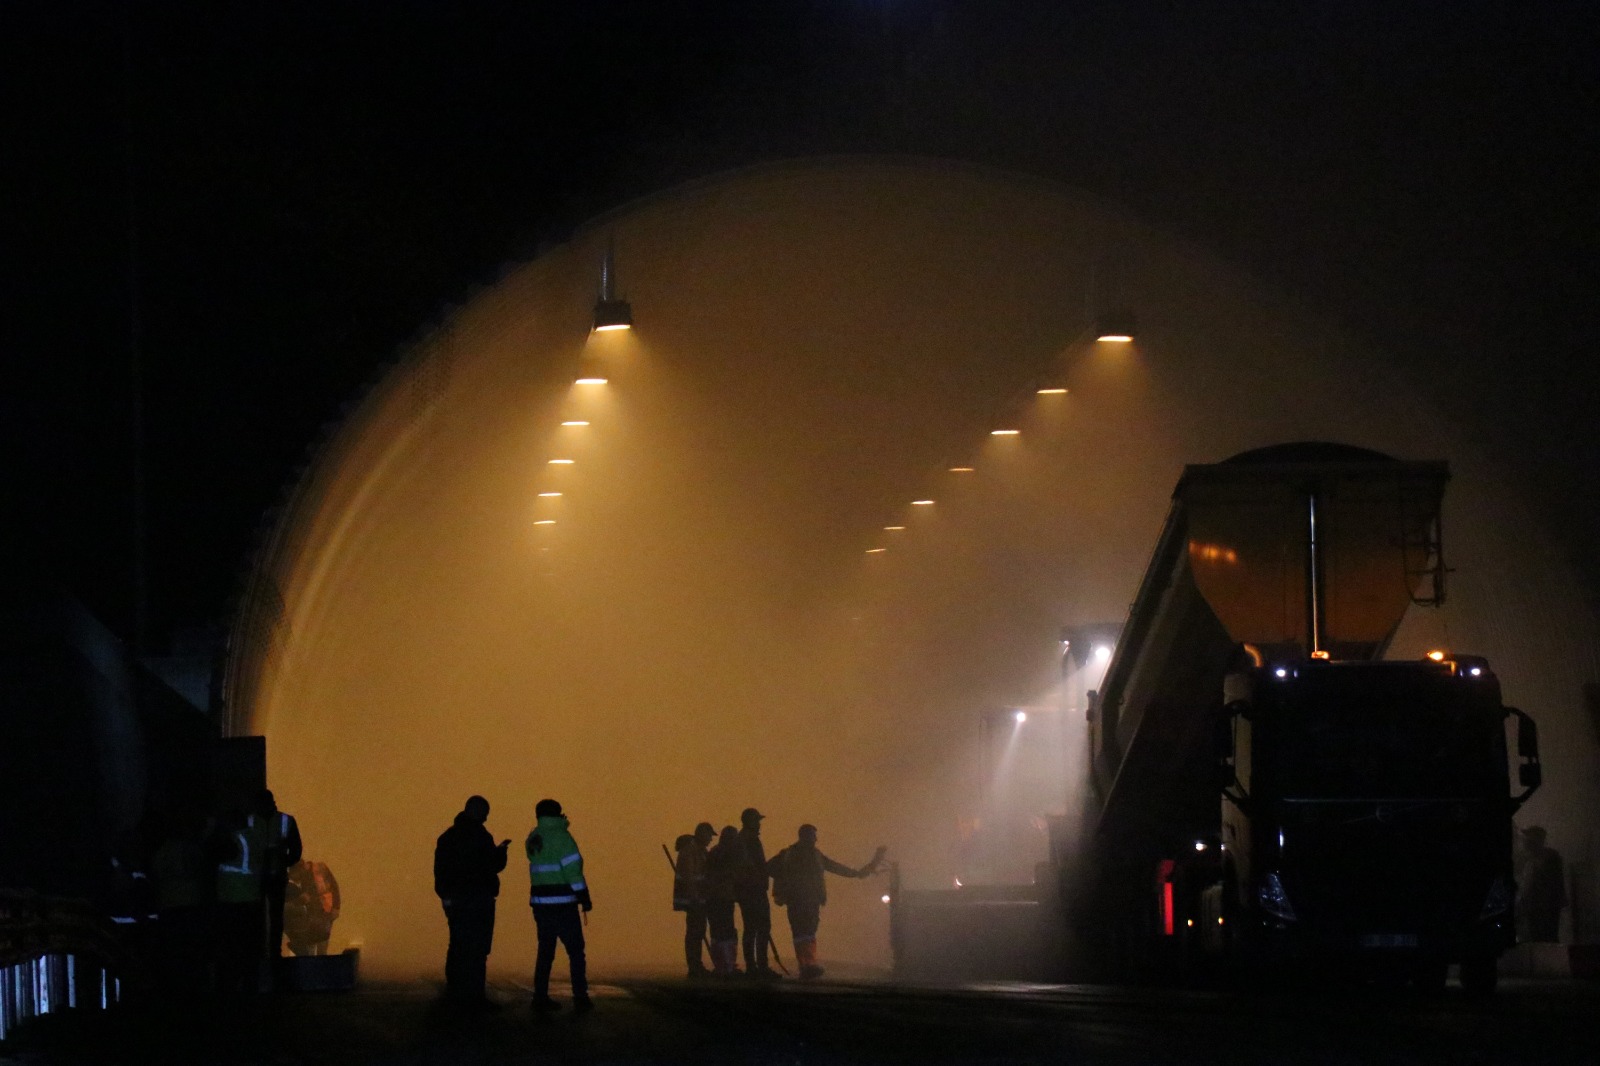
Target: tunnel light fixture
column 961, row 469
column 611, row 312
column 922, row 503
column 875, row 551
column 886, row 897
column 1004, row 432
column 575, row 422
column 545, row 522
column 1052, row 392
column 590, row 381
column 562, row 462
column 894, row 529
column 1116, row 327
column 548, row 495
column 1020, row 716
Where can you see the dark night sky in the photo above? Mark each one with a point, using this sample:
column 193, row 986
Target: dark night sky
column 315, row 182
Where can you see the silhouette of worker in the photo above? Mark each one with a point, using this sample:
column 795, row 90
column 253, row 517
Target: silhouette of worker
column 557, row 892
column 721, row 865
column 689, row 893
column 1541, row 888
column 750, row 890
column 237, row 851
column 280, row 838
column 466, row 876
column 797, row 883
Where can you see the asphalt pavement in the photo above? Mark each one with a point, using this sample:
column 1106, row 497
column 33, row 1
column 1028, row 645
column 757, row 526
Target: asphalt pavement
column 661, row 1020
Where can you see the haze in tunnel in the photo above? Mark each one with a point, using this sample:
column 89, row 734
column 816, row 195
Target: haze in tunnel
column 702, row 620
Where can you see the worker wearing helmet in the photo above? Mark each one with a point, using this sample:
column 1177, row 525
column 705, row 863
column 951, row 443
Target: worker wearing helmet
column 557, row 892
column 797, row 883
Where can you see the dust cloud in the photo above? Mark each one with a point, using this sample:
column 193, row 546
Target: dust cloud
column 699, row 622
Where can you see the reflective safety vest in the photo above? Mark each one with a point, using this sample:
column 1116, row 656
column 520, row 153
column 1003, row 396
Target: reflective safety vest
column 275, row 835
column 555, row 866
column 239, row 877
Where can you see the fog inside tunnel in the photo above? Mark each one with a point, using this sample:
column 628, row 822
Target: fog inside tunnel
column 734, row 600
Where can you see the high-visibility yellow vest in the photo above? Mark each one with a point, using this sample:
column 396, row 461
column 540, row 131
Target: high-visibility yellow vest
column 239, row 877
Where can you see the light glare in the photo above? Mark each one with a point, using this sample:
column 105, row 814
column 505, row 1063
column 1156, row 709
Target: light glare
column 1021, row 716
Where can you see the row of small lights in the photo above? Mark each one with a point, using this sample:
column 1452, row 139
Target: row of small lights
column 1112, row 330
column 611, row 314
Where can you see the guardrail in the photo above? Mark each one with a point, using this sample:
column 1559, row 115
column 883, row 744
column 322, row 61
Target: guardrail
column 55, row 954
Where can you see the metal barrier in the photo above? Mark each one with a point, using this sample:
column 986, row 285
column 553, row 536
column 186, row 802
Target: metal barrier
column 55, row 954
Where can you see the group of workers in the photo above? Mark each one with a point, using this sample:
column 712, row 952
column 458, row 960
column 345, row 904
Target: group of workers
column 221, row 892
column 709, row 881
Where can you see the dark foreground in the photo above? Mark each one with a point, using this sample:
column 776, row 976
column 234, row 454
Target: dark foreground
column 659, row 1020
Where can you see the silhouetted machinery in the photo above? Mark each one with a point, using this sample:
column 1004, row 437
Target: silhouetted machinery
column 1265, row 787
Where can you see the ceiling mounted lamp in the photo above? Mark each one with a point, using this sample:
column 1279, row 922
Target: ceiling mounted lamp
column 1116, row 327
column 610, row 311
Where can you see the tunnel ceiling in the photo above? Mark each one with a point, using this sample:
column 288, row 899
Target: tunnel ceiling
column 714, row 612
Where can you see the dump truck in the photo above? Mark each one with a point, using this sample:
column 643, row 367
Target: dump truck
column 1266, row 788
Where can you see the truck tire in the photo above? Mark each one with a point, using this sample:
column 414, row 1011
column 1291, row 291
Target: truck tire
column 1480, row 975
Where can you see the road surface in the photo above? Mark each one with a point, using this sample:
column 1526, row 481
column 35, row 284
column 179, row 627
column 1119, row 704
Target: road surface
column 650, row 1020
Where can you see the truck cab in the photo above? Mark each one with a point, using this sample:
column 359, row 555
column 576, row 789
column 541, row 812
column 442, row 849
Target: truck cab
column 1365, row 817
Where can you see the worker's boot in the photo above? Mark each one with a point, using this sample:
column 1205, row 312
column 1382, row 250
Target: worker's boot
column 691, row 954
column 724, row 956
column 805, row 952
column 762, row 968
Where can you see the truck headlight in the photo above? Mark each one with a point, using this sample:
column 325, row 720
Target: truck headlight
column 1498, row 900
column 1274, row 900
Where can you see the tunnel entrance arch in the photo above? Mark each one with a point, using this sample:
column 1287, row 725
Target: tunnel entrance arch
column 703, row 619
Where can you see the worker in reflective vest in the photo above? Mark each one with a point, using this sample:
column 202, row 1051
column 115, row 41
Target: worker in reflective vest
column 281, row 849
column 241, row 918
column 557, row 893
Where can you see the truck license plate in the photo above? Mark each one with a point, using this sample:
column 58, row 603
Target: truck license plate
column 1389, row 940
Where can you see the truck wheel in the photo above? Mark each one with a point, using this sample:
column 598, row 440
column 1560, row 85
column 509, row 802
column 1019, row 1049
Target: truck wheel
column 1480, row 975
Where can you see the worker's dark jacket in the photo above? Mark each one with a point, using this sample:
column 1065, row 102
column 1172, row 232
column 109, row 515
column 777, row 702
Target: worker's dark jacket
column 797, row 874
column 750, row 874
column 689, row 877
column 722, row 864
column 466, row 861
